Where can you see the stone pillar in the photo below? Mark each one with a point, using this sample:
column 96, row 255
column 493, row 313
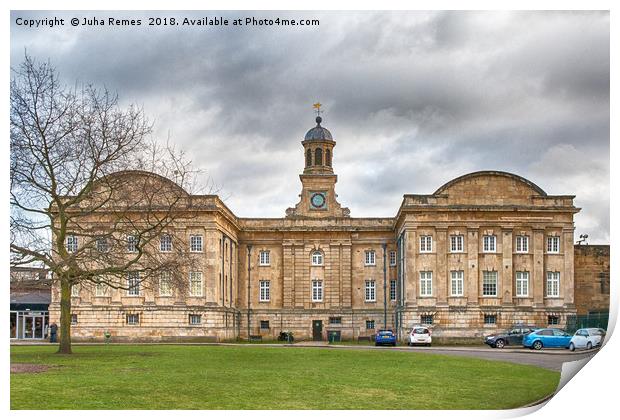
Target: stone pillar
column 347, row 281
column 506, row 280
column 538, row 267
column 412, row 277
column 568, row 283
column 288, row 260
column 471, row 279
column 442, row 267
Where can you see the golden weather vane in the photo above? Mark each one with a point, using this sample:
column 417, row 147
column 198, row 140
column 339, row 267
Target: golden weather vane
column 317, row 106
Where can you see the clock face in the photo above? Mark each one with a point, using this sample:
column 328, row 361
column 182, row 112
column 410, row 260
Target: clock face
column 317, row 200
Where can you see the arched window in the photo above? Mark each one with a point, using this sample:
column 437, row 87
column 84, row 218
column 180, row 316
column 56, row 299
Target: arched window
column 309, row 157
column 328, row 157
column 318, row 156
column 317, row 258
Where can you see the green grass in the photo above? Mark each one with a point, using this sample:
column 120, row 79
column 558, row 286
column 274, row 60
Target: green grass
column 252, row 377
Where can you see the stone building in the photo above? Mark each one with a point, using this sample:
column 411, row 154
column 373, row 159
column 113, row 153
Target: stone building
column 486, row 250
column 592, row 279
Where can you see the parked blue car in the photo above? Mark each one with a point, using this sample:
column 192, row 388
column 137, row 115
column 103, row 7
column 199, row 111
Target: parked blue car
column 547, row 337
column 385, row 337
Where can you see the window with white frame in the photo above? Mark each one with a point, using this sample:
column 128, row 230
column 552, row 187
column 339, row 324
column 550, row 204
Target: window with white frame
column 264, row 324
column 263, row 258
column 102, row 245
column 457, row 243
column 165, row 243
column 489, row 243
column 426, row 319
column 195, row 319
column 133, row 319
column 195, row 243
column 317, row 290
column 317, row 258
column 489, row 283
column 72, row 243
column 393, row 258
column 132, row 243
column 522, row 283
column 522, row 244
column 74, row 319
column 195, row 283
column 370, row 257
column 370, row 324
column 553, row 320
column 553, row 244
column 75, row 290
column 426, row 243
column 101, row 289
column 370, row 291
column 264, row 294
column 426, row 283
column 490, row 318
column 133, row 283
column 165, row 283
column 392, row 289
column 553, row 284
column 456, row 283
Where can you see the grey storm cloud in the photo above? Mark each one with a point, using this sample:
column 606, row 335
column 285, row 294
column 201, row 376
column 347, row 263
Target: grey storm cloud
column 413, row 99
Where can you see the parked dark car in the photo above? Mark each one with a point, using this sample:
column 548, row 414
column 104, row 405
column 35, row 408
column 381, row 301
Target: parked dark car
column 512, row 337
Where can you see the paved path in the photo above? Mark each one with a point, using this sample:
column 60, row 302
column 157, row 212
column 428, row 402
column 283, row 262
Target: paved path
column 549, row 359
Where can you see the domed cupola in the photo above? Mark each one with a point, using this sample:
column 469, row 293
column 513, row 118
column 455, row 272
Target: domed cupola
column 318, row 132
column 318, row 148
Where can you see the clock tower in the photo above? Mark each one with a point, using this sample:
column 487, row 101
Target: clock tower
column 318, row 194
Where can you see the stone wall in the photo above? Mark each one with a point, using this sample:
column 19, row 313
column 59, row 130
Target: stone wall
column 592, row 278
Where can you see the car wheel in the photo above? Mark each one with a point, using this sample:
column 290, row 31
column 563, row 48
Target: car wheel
column 537, row 345
column 571, row 346
column 589, row 346
column 499, row 344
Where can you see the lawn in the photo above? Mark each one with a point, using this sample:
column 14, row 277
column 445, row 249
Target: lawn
column 253, row 377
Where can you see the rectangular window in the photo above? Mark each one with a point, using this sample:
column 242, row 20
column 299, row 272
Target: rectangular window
column 100, row 289
column 165, row 243
column 264, row 258
column 72, row 243
column 370, row 258
column 132, row 243
column 335, row 320
column 426, row 243
column 523, row 244
column 264, row 294
column 264, row 325
column 489, row 243
column 523, row 283
column 426, row 319
column 392, row 289
column 490, row 319
column 133, row 283
column 553, row 244
column 393, row 258
column 553, row 320
column 74, row 319
column 370, row 324
column 553, row 284
column 456, row 243
column 370, row 291
column 489, row 283
column 133, row 319
column 195, row 283
column 317, row 291
column 165, row 283
column 102, row 245
column 456, row 283
column 195, row 319
column 195, row 243
column 75, row 290
column 426, row 283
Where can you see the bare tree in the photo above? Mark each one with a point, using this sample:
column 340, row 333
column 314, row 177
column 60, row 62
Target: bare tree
column 85, row 198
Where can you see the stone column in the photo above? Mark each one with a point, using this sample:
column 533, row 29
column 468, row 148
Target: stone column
column 471, row 280
column 442, row 267
column 288, row 260
column 506, row 280
column 568, row 282
column 538, row 267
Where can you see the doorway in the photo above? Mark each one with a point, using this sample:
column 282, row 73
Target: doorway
column 317, row 330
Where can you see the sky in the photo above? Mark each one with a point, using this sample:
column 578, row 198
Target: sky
column 413, row 99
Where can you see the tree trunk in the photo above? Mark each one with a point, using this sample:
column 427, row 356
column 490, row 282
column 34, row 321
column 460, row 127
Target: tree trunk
column 65, row 317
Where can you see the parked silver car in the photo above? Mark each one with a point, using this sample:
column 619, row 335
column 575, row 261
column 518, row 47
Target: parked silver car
column 586, row 338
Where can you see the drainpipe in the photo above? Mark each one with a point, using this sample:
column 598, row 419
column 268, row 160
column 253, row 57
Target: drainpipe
column 384, row 246
column 249, row 268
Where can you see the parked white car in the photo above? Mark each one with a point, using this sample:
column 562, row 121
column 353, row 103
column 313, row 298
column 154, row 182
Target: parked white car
column 586, row 338
column 420, row 334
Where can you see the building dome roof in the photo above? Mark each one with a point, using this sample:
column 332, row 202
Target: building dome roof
column 318, row 132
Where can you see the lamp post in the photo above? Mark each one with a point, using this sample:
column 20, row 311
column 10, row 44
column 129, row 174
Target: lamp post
column 384, row 246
